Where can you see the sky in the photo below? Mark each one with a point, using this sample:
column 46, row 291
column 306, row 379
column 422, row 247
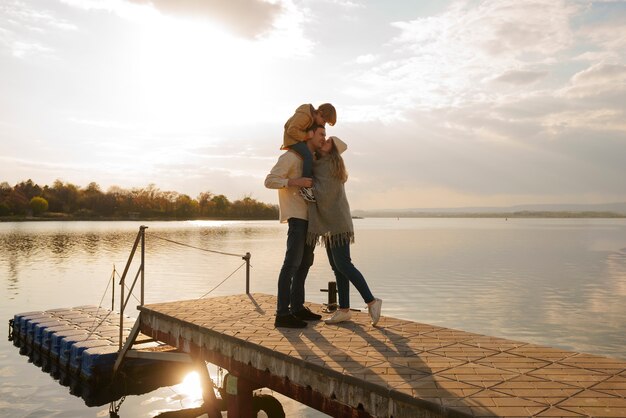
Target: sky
column 442, row 103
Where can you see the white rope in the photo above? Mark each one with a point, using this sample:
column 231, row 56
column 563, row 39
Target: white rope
column 197, row 248
column 220, row 283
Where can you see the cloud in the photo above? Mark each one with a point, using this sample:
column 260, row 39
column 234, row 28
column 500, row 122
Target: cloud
column 448, row 59
column 601, row 73
column 275, row 26
column 606, row 36
column 110, row 124
column 348, row 4
column 366, row 59
column 519, row 77
column 599, row 78
column 23, row 49
column 18, row 14
column 496, row 28
column 248, row 18
column 24, row 30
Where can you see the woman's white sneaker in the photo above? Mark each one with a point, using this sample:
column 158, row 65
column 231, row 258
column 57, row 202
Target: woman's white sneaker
column 374, row 310
column 338, row 317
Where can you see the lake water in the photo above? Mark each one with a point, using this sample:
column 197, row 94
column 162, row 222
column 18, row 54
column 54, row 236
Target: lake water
column 557, row 282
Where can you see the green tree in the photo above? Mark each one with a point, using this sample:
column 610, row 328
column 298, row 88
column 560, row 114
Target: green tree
column 249, row 208
column 221, row 205
column 5, row 191
column 17, row 202
column 38, row 205
column 185, row 206
column 5, row 210
column 244, row 208
column 62, row 197
column 121, row 198
column 28, row 188
column 205, row 205
column 95, row 201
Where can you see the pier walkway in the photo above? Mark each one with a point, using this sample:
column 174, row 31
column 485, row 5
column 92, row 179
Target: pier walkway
column 398, row 369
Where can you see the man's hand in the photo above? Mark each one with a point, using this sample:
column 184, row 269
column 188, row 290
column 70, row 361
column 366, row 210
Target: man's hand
column 301, row 182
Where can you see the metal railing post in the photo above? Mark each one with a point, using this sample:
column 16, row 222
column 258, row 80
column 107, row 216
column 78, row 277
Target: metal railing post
column 142, row 229
column 247, row 258
column 122, row 284
column 121, row 310
column 113, row 289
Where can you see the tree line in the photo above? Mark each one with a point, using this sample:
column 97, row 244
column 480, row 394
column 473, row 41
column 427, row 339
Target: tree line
column 66, row 200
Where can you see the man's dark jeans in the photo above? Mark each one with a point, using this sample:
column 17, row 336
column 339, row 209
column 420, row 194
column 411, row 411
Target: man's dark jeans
column 298, row 260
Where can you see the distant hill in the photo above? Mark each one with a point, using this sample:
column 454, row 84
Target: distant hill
column 531, row 210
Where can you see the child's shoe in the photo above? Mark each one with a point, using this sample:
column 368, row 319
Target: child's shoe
column 307, row 194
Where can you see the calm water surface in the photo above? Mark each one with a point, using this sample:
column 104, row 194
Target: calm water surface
column 554, row 282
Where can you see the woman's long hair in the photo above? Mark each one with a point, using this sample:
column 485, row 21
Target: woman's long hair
column 337, row 166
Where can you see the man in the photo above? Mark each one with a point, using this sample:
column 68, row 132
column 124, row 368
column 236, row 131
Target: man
column 286, row 176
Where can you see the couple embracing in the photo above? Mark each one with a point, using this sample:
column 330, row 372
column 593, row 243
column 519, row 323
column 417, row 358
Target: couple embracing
column 310, row 177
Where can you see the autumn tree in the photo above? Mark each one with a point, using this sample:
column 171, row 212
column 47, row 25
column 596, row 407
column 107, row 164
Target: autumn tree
column 17, row 202
column 186, row 207
column 205, row 204
column 28, row 188
column 62, row 197
column 149, row 202
column 5, row 191
column 221, row 205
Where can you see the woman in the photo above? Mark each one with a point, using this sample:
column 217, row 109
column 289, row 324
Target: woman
column 330, row 223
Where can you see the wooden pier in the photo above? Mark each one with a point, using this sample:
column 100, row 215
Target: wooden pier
column 398, row 369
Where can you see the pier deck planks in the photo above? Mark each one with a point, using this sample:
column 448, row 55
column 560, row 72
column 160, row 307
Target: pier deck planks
column 399, row 368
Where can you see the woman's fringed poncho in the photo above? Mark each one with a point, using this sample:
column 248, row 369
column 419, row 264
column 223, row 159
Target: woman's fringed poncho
column 330, row 221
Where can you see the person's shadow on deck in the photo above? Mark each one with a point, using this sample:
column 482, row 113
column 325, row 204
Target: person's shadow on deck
column 379, row 359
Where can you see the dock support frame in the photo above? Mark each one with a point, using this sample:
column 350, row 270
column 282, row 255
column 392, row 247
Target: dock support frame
column 238, row 394
column 261, row 379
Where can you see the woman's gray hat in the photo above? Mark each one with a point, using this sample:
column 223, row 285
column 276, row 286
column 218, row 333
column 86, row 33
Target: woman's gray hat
column 339, row 144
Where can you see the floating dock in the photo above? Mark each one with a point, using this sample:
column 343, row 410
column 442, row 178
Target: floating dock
column 398, row 369
column 79, row 346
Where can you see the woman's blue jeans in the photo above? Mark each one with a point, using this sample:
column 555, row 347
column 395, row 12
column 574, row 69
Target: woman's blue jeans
column 346, row 273
column 298, row 260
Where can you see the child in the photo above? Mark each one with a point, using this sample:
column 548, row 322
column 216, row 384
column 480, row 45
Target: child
column 296, row 135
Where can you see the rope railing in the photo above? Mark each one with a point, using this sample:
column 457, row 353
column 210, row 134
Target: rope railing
column 197, row 248
column 246, row 257
column 222, row 282
column 141, row 239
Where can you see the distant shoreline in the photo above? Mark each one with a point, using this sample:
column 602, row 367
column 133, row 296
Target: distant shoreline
column 361, row 215
column 512, row 215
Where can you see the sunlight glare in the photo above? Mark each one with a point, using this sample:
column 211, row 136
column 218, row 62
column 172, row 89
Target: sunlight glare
column 194, row 74
column 191, row 387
